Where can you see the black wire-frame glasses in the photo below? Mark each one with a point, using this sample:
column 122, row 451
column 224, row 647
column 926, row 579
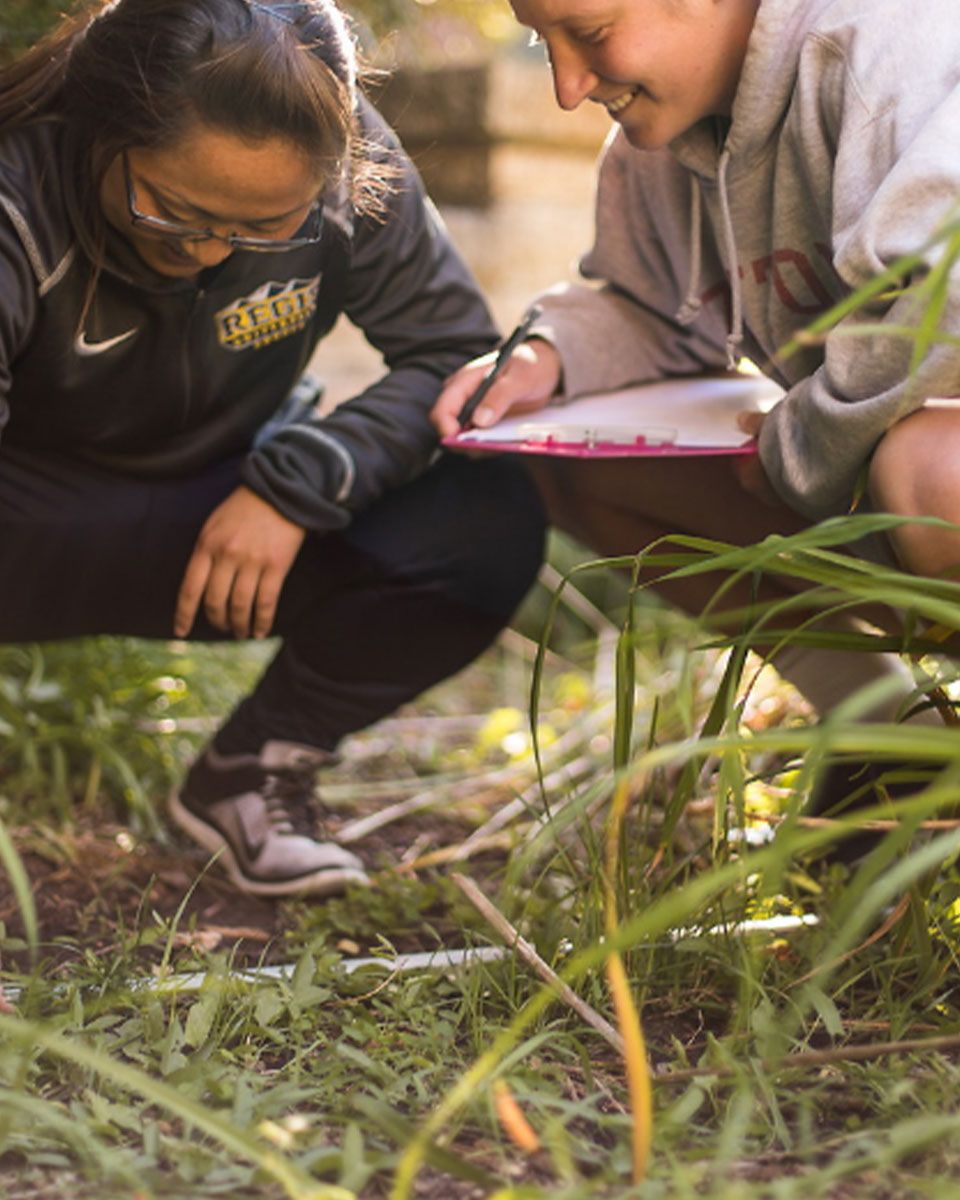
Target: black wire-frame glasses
column 162, row 228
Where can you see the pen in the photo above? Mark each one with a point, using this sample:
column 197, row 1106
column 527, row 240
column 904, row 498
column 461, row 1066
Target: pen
column 508, row 347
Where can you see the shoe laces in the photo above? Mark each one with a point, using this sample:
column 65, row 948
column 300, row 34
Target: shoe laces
column 288, row 793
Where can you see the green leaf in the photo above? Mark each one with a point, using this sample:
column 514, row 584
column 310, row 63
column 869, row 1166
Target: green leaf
column 826, row 1010
column 200, row 1019
column 22, row 890
column 267, row 1007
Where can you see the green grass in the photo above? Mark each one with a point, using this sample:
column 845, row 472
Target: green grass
column 327, row 1084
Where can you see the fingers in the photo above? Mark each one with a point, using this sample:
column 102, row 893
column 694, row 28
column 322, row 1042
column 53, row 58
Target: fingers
column 221, row 593
column 251, row 605
column 213, row 583
column 750, row 422
column 508, row 394
column 268, row 597
column 528, row 380
column 242, row 602
column 237, row 570
column 233, row 612
column 191, row 591
column 456, row 392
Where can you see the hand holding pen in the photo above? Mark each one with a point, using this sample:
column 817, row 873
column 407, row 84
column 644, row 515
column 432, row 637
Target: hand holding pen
column 503, row 356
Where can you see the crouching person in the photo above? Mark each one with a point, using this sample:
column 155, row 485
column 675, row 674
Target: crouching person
column 191, row 193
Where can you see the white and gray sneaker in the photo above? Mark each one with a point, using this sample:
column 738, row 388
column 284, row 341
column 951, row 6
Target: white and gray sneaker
column 258, row 811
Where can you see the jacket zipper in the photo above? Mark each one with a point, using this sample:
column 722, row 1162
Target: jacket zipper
column 196, row 299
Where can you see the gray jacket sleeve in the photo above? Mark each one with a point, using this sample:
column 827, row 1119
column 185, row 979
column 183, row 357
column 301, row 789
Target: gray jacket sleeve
column 896, row 181
column 408, row 290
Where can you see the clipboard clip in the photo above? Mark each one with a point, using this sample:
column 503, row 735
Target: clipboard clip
column 592, row 436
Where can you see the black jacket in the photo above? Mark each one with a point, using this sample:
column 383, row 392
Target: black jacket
column 167, row 376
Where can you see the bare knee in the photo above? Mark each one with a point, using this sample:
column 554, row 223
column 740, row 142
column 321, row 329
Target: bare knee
column 914, row 473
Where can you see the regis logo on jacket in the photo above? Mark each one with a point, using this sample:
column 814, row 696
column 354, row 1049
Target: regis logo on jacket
column 272, row 312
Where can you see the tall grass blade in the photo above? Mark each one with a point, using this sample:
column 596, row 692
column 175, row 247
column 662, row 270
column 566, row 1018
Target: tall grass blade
column 628, row 1019
column 626, row 682
column 22, row 890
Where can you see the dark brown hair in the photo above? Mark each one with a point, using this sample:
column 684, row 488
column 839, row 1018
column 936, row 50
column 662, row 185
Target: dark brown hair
column 125, row 73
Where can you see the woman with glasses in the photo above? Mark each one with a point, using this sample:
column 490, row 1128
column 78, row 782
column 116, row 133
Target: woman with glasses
column 191, row 193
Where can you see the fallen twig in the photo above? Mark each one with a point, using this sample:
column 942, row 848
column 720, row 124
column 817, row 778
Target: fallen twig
column 576, row 601
column 446, row 854
column 524, row 950
column 877, row 826
column 568, row 774
column 881, row 931
column 466, row 787
column 463, row 789
column 818, row 1058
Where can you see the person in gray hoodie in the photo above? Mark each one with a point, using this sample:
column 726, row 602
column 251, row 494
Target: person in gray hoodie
column 768, row 157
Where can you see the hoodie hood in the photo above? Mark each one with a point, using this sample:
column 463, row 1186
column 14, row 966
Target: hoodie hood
column 718, row 149
column 764, row 94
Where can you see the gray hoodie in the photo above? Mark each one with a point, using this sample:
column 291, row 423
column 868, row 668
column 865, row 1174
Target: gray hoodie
column 842, row 154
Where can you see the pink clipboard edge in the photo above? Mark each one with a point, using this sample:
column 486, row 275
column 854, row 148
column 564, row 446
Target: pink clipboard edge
column 560, row 449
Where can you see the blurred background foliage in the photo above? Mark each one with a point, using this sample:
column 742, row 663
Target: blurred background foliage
column 428, row 32
column 23, row 21
column 491, row 17
column 391, row 30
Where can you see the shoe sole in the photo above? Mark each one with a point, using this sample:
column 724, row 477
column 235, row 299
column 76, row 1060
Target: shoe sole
column 320, row 883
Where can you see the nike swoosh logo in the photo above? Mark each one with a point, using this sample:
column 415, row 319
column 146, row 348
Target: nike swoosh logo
column 90, row 349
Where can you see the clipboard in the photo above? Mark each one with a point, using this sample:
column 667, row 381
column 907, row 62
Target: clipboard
column 696, row 415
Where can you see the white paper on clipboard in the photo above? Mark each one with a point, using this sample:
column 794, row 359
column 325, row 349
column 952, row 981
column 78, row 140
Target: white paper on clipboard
column 693, row 415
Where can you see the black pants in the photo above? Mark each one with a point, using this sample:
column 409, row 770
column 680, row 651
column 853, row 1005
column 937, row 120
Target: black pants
column 408, row 594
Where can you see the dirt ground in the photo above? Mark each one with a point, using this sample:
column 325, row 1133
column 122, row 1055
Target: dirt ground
column 95, row 886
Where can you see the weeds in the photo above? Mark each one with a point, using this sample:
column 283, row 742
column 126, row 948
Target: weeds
column 326, row 1084
column 81, row 718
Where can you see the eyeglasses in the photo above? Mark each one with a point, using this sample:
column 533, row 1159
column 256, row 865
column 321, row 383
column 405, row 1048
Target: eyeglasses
column 161, row 228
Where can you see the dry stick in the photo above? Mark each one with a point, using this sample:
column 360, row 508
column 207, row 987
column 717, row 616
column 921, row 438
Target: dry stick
column 524, row 950
column 389, row 725
column 529, row 650
column 881, row 931
column 446, row 854
column 465, row 788
column 818, row 1058
column 571, row 771
column 546, row 819
column 487, row 836
column 569, row 774
column 462, row 788
column 605, row 629
column 880, row 825
column 360, row 828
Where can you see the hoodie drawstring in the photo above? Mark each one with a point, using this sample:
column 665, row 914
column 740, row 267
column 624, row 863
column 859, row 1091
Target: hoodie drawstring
column 735, row 336
column 692, row 304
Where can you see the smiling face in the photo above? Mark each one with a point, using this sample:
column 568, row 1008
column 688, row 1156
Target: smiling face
column 209, row 179
column 657, row 66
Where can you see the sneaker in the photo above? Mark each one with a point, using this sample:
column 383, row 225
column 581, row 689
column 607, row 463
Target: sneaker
column 258, row 812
